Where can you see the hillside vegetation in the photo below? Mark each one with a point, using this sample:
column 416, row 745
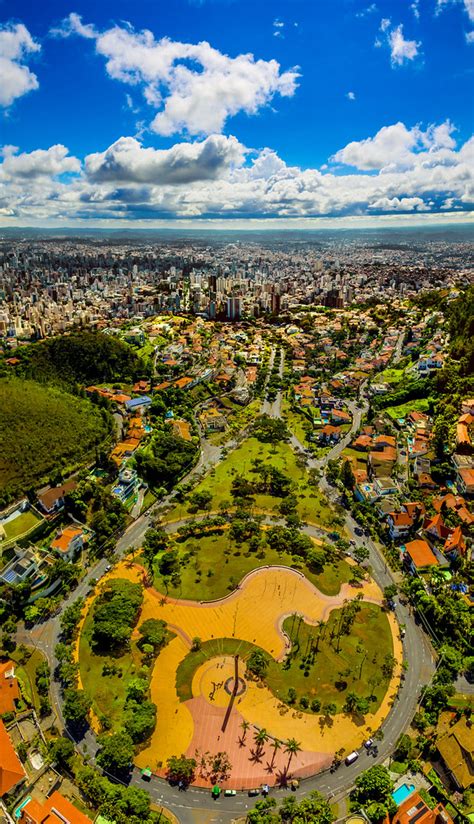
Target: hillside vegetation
column 44, row 429
column 82, row 357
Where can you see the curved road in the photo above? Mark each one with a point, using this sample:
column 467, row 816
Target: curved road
column 195, row 805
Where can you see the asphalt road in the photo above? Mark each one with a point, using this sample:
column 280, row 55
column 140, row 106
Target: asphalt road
column 195, row 806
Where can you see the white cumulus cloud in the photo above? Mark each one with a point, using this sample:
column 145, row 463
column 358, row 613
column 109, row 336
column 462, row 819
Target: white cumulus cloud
column 127, row 161
column 401, row 50
column 16, row 79
column 40, row 163
column 194, row 87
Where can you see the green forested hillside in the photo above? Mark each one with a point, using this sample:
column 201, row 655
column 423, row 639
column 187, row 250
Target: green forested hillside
column 82, row 357
column 44, row 429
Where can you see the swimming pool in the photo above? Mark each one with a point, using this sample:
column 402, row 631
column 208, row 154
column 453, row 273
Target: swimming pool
column 402, row 792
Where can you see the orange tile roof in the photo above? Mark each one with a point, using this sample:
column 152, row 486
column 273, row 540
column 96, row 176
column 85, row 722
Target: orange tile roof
column 9, row 689
column 415, row 809
column 421, row 553
column 63, row 541
column 11, row 768
column 55, row 810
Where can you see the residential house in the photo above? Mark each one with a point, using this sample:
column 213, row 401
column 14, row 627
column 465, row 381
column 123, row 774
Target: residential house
column 457, row 504
column 141, row 387
column 181, row 428
column 414, row 508
column 362, row 443
column 385, row 486
column 456, row 749
column 137, row 405
column 455, row 544
column 418, row 555
column 399, row 524
column 465, row 480
column 69, row 542
column 425, row 481
column 436, row 528
column 467, row 406
column 9, row 689
column 124, row 450
column 340, row 416
column 128, row 482
column 56, row 809
column 212, row 420
column 23, row 566
column 51, row 499
column 11, row 768
column 415, row 810
column 329, row 434
column 382, row 442
column 463, row 436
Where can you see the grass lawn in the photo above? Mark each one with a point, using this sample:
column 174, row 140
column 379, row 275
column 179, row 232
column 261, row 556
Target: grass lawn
column 220, row 564
column 313, row 506
column 108, row 693
column 26, row 674
column 148, row 500
column 209, row 649
column 358, row 459
column 419, row 404
column 392, row 376
column 20, row 525
column 360, row 657
column 297, row 423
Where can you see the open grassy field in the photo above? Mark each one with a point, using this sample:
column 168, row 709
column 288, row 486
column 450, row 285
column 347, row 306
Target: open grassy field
column 359, row 658
column 21, row 525
column 419, row 404
column 313, row 506
column 48, row 429
column 220, row 564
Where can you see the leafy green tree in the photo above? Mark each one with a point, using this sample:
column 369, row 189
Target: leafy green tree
column 347, row 475
column 153, row 631
column 76, row 706
column 62, row 752
column 116, row 752
column 181, row 768
column 257, row 663
column 373, row 785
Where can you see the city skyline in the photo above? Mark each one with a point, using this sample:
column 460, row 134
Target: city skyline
column 236, row 115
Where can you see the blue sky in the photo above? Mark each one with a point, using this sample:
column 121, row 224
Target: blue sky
column 298, row 111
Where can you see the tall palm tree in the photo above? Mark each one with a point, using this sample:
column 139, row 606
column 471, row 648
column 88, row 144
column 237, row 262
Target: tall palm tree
column 245, row 726
column 260, row 738
column 292, row 746
column 276, row 745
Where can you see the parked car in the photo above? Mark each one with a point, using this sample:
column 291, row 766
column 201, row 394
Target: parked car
column 358, row 531
column 230, row 792
column 353, row 756
column 368, row 744
column 254, row 792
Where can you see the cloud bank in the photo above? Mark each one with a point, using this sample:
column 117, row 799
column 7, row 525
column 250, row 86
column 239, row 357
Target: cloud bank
column 399, row 170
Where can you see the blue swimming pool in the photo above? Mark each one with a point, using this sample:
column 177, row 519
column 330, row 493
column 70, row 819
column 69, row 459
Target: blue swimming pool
column 402, row 792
